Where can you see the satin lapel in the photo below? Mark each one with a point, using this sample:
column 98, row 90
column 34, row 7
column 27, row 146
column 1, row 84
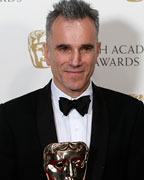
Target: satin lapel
column 99, row 137
column 45, row 118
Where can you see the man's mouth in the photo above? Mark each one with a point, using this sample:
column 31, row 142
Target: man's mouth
column 75, row 72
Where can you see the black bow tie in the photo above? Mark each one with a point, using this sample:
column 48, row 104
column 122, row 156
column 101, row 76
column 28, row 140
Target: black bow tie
column 81, row 105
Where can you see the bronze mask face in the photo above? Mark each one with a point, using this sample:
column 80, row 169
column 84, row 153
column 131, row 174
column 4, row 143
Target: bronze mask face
column 66, row 161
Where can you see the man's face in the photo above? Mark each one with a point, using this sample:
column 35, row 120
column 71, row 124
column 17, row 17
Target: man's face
column 72, row 54
column 66, row 165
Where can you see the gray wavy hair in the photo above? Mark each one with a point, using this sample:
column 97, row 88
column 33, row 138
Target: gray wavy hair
column 71, row 10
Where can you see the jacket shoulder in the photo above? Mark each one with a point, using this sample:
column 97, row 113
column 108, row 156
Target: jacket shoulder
column 117, row 98
column 26, row 101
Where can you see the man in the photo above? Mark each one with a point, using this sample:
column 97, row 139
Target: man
column 110, row 123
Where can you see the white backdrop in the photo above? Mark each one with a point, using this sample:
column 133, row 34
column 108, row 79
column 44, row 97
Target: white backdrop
column 120, row 65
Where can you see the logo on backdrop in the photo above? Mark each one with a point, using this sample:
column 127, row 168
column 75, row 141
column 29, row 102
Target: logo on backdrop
column 138, row 96
column 36, row 39
column 122, row 55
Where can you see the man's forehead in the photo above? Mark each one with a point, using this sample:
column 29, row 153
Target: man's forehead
column 61, row 19
column 74, row 33
column 66, row 24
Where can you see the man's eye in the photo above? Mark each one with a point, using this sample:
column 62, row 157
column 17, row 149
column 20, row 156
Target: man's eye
column 63, row 48
column 86, row 48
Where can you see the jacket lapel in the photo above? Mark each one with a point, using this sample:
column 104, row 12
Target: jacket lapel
column 99, row 137
column 45, row 118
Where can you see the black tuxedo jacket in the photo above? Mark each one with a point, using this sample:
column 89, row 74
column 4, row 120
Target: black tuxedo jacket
column 117, row 139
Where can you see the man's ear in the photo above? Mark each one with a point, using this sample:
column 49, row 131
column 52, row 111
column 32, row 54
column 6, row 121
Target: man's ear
column 46, row 55
column 98, row 50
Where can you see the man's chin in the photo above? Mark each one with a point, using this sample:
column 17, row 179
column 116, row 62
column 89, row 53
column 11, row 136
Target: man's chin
column 76, row 87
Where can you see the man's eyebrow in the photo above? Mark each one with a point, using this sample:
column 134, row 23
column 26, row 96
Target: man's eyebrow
column 62, row 45
column 87, row 45
column 68, row 45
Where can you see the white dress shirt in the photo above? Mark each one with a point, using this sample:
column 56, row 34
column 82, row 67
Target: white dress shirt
column 74, row 127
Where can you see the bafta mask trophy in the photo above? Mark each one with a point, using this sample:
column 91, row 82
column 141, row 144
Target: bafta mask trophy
column 65, row 161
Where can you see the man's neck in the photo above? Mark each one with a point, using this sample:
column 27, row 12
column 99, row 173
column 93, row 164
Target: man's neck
column 72, row 93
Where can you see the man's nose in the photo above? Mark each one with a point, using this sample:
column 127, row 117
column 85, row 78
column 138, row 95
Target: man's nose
column 75, row 58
